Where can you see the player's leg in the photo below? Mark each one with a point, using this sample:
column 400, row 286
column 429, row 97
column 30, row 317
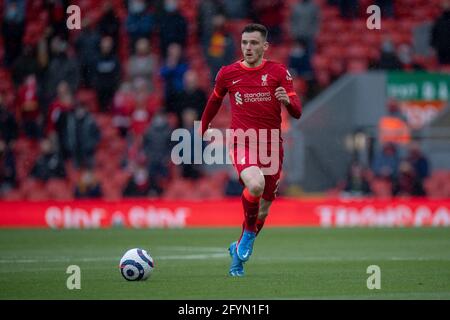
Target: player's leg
column 254, row 182
column 269, row 194
column 264, row 207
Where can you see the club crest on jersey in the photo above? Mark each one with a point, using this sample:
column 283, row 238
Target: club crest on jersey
column 264, row 80
column 288, row 76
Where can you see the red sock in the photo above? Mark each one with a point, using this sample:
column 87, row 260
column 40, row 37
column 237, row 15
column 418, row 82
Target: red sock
column 259, row 225
column 251, row 209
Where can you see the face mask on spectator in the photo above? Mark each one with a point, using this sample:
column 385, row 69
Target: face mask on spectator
column 11, row 13
column 298, row 52
column 170, row 6
column 137, row 7
column 140, row 177
column 159, row 121
column 80, row 112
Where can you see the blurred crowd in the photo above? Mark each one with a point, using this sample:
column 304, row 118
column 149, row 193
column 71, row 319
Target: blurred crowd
column 390, row 174
column 135, row 58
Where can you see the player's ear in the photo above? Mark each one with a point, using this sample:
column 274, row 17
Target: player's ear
column 266, row 45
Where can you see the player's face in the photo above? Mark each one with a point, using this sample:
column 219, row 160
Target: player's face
column 253, row 46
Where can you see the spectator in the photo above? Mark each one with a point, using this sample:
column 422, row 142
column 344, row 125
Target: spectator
column 139, row 23
column 408, row 183
column 305, row 23
column 388, row 57
column 28, row 108
column 191, row 170
column 7, row 168
column 269, row 13
column 123, row 105
column 82, row 136
column 88, row 187
column 233, row 187
column 13, row 28
column 56, row 10
column 49, row 164
column 106, row 73
column 440, row 34
column 8, row 124
column 206, row 11
column 57, row 116
column 142, row 63
column 418, row 162
column 139, row 184
column 146, row 105
column 25, row 65
column 387, row 8
column 172, row 73
column 393, row 127
column 192, row 97
column 386, row 162
column 300, row 60
column 405, row 55
column 141, row 116
column 61, row 67
column 349, row 8
column 157, row 148
column 172, row 26
column 109, row 24
column 87, row 49
column 357, row 183
column 220, row 48
column 236, row 9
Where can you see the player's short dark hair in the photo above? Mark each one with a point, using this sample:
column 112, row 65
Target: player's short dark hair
column 252, row 27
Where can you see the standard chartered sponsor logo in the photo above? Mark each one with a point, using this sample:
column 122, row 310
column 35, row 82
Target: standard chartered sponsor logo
column 252, row 97
column 257, row 97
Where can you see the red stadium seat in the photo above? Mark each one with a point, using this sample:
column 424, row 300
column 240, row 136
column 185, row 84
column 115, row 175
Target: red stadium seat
column 357, row 51
column 357, row 65
column 320, row 62
column 89, row 97
column 381, row 188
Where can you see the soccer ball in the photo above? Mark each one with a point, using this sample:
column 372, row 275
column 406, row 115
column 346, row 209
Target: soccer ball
column 136, row 264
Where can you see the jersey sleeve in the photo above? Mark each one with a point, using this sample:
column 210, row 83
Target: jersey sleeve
column 214, row 102
column 220, row 90
column 286, row 81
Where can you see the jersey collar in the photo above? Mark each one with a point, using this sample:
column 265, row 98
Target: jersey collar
column 243, row 66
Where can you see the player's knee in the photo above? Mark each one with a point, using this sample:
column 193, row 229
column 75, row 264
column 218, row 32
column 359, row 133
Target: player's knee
column 256, row 187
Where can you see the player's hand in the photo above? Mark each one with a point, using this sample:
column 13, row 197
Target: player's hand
column 281, row 95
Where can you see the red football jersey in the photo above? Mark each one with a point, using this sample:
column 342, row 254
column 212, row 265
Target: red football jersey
column 252, row 93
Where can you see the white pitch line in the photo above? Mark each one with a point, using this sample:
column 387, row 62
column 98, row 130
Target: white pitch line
column 98, row 259
column 204, row 256
column 339, row 259
column 197, row 249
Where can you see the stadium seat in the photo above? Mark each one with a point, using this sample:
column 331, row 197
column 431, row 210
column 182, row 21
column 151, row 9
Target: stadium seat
column 320, row 62
column 381, row 188
column 357, row 51
column 357, row 65
column 59, row 189
column 88, row 97
column 13, row 195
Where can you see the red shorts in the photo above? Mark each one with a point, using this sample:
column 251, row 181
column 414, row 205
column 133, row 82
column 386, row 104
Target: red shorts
column 245, row 157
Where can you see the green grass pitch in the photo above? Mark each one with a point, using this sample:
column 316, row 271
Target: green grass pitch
column 287, row 263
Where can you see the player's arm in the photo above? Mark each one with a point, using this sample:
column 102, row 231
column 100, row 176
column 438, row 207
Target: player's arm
column 214, row 102
column 286, row 95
